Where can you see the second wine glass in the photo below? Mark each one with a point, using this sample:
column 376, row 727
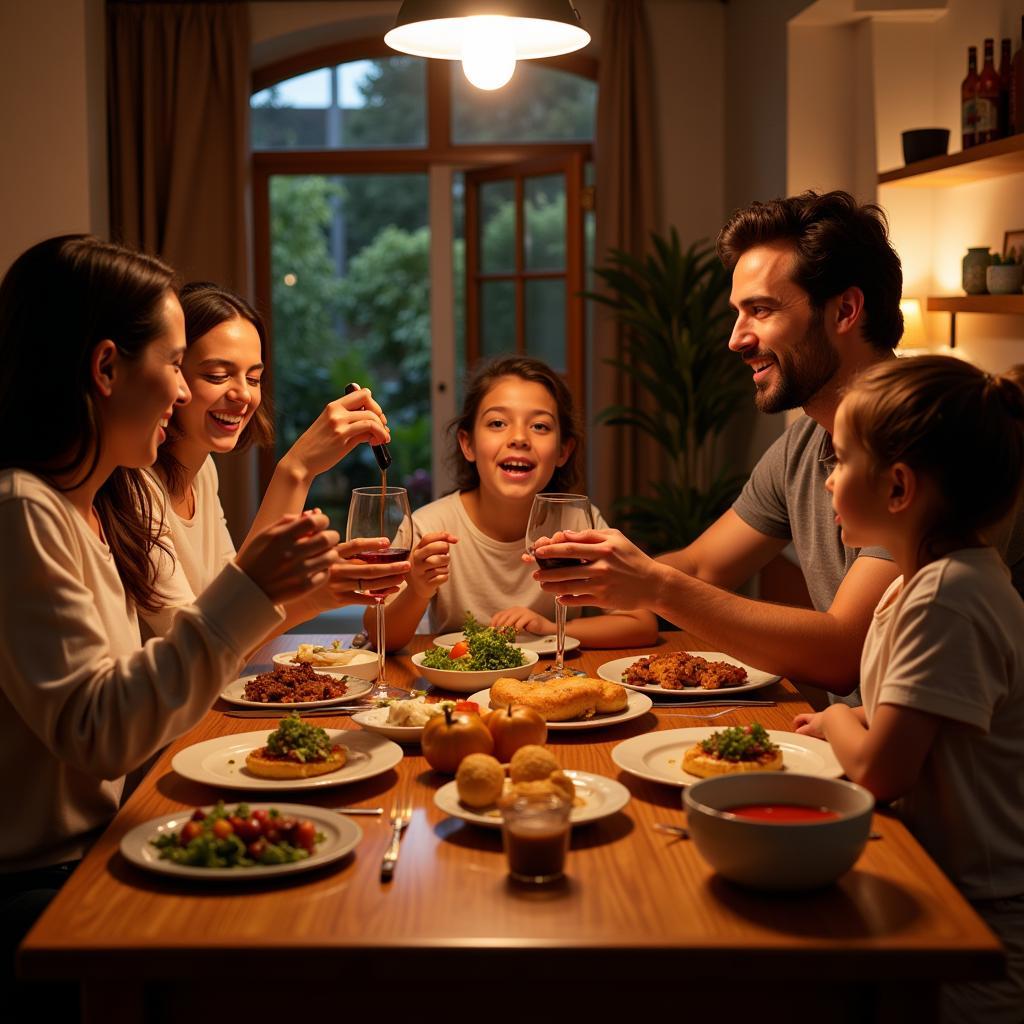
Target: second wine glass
column 380, row 512
column 550, row 514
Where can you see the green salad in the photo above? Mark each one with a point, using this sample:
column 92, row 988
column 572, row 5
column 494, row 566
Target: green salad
column 301, row 742
column 239, row 838
column 484, row 649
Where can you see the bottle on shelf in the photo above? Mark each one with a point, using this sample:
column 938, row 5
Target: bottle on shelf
column 968, row 99
column 1017, row 86
column 1005, row 85
column 986, row 127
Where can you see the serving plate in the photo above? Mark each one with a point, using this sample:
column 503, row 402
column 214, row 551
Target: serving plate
column 221, row 761
column 364, row 665
column 613, row 672
column 542, row 645
column 601, row 797
column 355, row 688
column 341, row 836
column 658, row 756
column 638, row 704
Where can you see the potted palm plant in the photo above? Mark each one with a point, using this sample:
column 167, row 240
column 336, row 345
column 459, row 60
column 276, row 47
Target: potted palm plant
column 672, row 306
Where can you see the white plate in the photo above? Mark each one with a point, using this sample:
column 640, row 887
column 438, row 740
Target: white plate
column 638, row 704
column 221, row 761
column 658, row 756
column 341, row 835
column 613, row 670
column 365, row 666
column 354, row 689
column 542, row 645
column 601, row 797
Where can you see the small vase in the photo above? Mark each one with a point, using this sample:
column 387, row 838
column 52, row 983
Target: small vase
column 975, row 265
column 1004, row 278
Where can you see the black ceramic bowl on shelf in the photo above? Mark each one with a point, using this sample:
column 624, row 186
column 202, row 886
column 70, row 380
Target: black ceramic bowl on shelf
column 922, row 143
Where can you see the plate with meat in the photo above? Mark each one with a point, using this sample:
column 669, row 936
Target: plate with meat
column 685, row 674
column 295, row 686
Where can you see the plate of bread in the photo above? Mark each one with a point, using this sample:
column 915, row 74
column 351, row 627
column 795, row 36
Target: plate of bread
column 482, row 785
column 574, row 702
column 685, row 674
column 251, row 760
column 680, row 757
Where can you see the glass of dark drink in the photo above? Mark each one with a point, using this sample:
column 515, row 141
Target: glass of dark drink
column 550, row 514
column 380, row 512
column 535, row 834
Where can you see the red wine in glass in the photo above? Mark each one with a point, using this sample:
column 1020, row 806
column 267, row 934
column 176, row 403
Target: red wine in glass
column 559, row 563
column 385, row 557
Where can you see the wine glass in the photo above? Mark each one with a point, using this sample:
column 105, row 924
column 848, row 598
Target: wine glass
column 551, row 513
column 380, row 512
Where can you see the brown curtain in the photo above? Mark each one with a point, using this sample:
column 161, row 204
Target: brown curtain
column 626, row 178
column 178, row 104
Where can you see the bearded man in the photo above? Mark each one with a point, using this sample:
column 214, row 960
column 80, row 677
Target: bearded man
column 816, row 287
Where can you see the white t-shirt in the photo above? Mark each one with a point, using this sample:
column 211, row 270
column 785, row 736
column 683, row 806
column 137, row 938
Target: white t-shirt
column 201, row 547
column 487, row 575
column 81, row 700
column 951, row 643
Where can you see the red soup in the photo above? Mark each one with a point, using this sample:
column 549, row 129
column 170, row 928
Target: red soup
column 783, row 814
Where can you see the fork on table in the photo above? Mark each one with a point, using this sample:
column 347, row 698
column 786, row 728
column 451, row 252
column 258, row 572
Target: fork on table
column 713, row 714
column 401, row 814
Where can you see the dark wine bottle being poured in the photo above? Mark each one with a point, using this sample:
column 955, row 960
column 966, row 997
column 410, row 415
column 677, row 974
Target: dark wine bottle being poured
column 380, row 451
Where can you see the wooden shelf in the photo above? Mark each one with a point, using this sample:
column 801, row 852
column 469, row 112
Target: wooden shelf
column 991, row 160
column 976, row 304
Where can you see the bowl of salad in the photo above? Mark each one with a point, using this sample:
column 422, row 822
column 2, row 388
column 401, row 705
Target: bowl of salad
column 485, row 655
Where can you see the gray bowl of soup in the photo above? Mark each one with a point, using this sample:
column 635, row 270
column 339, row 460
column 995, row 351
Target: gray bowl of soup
column 779, row 830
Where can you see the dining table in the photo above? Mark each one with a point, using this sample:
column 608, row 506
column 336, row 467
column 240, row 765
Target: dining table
column 640, row 923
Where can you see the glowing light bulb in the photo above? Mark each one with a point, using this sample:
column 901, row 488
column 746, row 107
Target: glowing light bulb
column 488, row 52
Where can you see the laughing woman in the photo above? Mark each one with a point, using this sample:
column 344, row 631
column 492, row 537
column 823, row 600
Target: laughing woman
column 91, row 342
column 224, row 364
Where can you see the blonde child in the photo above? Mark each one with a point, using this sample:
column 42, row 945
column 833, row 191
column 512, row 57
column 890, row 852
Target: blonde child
column 930, row 453
column 517, row 436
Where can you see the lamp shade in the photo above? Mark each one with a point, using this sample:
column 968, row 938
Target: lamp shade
column 530, row 28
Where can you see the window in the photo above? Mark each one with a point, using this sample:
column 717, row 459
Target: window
column 366, row 169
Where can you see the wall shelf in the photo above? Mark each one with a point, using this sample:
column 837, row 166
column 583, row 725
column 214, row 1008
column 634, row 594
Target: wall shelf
column 991, row 160
column 976, row 304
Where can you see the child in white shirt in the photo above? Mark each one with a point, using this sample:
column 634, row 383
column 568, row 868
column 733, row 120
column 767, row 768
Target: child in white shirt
column 930, row 454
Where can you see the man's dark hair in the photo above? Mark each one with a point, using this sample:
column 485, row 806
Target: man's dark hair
column 838, row 244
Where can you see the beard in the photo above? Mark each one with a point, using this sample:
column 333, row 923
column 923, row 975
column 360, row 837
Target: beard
column 802, row 373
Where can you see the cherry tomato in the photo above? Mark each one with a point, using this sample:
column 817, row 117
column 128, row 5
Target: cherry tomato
column 305, row 835
column 260, row 815
column 272, row 834
column 222, row 828
column 469, row 706
column 189, row 831
column 198, row 815
column 460, row 650
column 256, row 849
column 247, row 829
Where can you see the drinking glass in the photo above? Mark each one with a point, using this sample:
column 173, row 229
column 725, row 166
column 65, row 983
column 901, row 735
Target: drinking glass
column 380, row 512
column 551, row 513
column 535, row 835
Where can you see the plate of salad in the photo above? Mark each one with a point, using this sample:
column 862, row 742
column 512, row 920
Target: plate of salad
column 473, row 664
column 241, row 843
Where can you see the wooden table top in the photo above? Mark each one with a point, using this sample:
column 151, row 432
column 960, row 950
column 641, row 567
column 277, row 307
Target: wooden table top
column 632, row 895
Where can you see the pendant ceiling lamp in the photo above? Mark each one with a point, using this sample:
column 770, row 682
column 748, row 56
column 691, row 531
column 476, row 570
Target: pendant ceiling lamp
column 488, row 36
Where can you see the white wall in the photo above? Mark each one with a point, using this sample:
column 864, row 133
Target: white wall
column 53, row 156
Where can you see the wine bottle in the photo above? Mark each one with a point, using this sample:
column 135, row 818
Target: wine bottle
column 968, row 99
column 381, row 452
column 1005, row 85
column 1017, row 86
column 986, row 128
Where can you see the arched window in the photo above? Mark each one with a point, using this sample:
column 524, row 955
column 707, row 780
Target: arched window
column 407, row 223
